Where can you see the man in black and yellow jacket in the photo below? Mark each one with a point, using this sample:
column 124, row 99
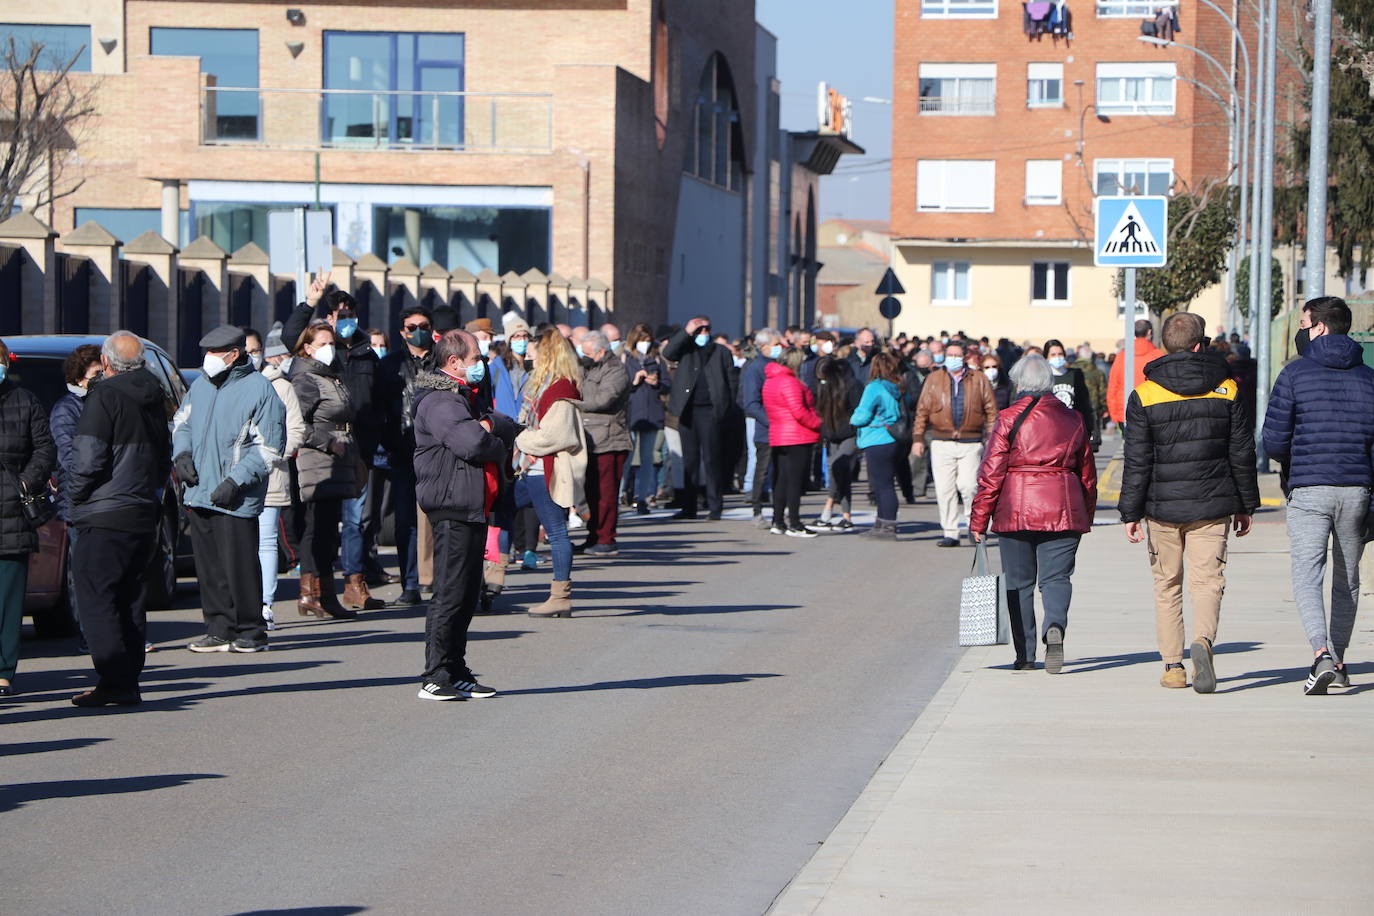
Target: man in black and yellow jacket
column 1190, row 477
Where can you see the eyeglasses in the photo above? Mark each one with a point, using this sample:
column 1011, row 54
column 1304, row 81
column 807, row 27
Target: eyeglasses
column 415, row 327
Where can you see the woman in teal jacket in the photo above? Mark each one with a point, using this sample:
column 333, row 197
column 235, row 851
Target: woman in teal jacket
column 875, row 419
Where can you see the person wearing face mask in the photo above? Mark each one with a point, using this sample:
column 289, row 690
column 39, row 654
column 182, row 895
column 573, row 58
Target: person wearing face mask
column 1320, row 426
column 605, row 399
column 701, row 400
column 461, row 447
column 1070, row 388
column 227, row 437
column 649, row 382
column 991, row 366
column 279, row 483
column 399, row 373
column 865, row 346
column 81, row 369
column 822, row 345
column 768, row 348
column 1096, row 380
column 613, row 340
column 376, row 338
column 922, row 365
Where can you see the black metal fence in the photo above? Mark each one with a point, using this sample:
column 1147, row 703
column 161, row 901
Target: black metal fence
column 11, row 290
column 73, row 294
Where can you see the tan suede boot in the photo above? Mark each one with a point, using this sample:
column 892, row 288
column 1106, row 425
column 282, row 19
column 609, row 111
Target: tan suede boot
column 559, row 603
column 494, row 574
column 357, row 596
column 308, row 605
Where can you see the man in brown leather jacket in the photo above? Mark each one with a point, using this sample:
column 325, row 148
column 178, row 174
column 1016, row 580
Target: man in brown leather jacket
column 956, row 446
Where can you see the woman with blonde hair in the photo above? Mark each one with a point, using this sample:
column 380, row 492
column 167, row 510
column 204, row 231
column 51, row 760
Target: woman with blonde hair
column 553, row 456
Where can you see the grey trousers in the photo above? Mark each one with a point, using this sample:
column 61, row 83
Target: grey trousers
column 1315, row 514
column 1027, row 557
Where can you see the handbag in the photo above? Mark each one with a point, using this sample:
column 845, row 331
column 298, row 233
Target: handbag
column 38, row 508
column 983, row 616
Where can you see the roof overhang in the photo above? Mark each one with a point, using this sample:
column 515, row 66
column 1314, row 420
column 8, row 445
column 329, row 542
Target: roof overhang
column 988, row 243
column 821, row 152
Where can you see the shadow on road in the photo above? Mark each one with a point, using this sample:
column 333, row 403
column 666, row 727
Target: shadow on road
column 646, row 683
column 307, row 911
column 44, row 747
column 1275, row 677
column 19, row 794
column 1103, row 662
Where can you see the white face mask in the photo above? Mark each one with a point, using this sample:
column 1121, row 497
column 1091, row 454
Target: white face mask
column 991, row 373
column 739, row 362
column 642, row 347
column 484, row 347
column 827, row 347
column 213, row 365
column 325, row 354
column 257, row 361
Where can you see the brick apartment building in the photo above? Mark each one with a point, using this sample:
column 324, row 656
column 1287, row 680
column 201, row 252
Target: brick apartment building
column 632, row 141
column 1001, row 139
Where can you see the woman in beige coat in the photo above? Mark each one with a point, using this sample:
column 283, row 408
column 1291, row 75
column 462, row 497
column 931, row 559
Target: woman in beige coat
column 279, row 483
column 553, row 457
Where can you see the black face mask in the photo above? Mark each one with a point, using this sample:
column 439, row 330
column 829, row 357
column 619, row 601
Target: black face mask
column 588, row 363
column 1302, row 340
column 421, row 338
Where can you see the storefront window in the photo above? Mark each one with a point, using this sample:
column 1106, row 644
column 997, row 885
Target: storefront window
column 231, row 57
column 500, row 238
column 393, row 88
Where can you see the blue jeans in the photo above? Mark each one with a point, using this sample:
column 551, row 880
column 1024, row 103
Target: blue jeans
column 267, row 552
column 351, row 534
column 554, row 518
column 407, row 536
column 646, row 483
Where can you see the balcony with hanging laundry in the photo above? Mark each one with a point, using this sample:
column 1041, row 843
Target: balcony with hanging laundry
column 1047, row 17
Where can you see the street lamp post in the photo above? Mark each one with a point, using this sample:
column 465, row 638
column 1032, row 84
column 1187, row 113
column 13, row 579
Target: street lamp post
column 1314, row 284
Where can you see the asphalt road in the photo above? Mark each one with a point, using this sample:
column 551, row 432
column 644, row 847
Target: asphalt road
column 680, row 746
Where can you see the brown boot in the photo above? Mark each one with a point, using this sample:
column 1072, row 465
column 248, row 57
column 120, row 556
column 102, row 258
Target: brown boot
column 329, row 600
column 494, row 574
column 356, row 595
column 309, row 603
column 559, row 603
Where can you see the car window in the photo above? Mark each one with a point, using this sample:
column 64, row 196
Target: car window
column 178, row 383
column 40, row 374
column 159, row 371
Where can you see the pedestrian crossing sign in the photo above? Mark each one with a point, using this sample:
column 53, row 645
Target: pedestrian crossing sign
column 1131, row 231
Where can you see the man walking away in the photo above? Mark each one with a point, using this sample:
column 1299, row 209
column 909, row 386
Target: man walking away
column 1320, row 424
column 1190, row 476
column 227, row 436
column 605, row 397
column 460, row 448
column 767, row 348
column 1145, row 352
column 700, row 399
column 959, row 409
column 121, row 456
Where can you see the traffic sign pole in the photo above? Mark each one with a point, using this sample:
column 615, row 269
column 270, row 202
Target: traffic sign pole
column 1128, row 351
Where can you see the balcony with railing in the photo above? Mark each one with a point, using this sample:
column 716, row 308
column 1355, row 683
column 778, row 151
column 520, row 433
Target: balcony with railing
column 363, row 119
column 958, row 105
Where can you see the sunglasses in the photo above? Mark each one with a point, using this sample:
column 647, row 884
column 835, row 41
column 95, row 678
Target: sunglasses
column 415, row 327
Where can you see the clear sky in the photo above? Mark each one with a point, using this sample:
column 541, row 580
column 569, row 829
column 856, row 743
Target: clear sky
column 848, row 44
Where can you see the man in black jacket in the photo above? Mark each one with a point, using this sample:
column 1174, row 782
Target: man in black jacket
column 700, row 398
column 398, row 377
column 1190, row 476
column 460, row 450
column 121, row 456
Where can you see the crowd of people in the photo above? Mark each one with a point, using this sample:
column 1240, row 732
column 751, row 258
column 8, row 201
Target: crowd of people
column 482, row 441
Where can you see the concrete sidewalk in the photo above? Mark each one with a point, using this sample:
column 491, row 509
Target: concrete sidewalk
column 1099, row 789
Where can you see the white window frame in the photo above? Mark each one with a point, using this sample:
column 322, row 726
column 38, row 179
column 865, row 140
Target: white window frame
column 1121, row 167
column 958, row 102
column 1051, row 302
column 951, row 269
column 1038, row 72
column 1128, row 9
column 959, row 9
column 1149, row 74
column 936, row 199
column 1032, row 181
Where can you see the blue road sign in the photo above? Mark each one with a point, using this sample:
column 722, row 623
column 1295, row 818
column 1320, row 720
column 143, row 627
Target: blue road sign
column 1131, row 231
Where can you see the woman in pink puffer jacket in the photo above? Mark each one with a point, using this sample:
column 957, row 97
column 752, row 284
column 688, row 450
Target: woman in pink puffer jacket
column 793, row 429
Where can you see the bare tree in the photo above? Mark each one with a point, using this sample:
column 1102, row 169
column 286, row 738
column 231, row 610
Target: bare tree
column 44, row 114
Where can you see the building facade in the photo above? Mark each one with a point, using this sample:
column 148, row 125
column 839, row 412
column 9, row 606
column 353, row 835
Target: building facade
column 1006, row 127
column 621, row 143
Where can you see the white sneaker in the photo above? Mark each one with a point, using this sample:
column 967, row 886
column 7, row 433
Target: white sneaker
column 268, row 618
column 574, row 520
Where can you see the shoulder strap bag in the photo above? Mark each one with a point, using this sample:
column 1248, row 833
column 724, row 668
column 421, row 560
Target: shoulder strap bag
column 38, row 508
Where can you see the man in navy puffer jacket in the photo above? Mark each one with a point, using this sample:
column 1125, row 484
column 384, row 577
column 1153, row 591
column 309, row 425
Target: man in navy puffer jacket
column 1320, row 425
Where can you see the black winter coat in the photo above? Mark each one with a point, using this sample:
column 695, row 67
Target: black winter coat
column 709, row 365
column 121, row 454
column 451, row 448
column 646, row 406
column 26, row 450
column 1190, row 456
column 357, row 365
column 397, row 386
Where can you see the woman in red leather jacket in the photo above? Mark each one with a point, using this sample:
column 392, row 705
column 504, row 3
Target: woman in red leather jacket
column 1038, row 487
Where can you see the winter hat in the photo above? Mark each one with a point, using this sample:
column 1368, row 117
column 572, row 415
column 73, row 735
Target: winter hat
column 512, row 323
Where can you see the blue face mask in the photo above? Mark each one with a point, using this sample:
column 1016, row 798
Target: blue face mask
column 616, row 345
column 775, row 351
column 518, row 347
column 346, row 326
column 702, row 339
column 380, row 351
column 938, row 359
column 1058, row 362
column 815, row 348
column 476, row 372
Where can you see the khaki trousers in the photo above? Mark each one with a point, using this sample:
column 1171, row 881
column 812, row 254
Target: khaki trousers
column 1201, row 547
column 424, row 547
column 954, row 465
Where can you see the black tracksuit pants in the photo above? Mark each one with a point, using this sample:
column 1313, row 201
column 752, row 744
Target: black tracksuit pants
column 458, row 551
column 109, row 567
column 229, row 573
column 701, row 458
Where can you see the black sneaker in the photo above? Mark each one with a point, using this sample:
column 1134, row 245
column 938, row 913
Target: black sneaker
column 1322, row 674
column 843, row 524
column 409, row 597
column 1054, row 650
column 947, row 542
column 430, row 691
column 1204, row 673
column 102, row 697
column 209, row 644
column 801, row 533
column 470, row 688
column 247, row 645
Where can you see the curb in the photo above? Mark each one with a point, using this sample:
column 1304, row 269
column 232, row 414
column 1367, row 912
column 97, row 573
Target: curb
column 1109, row 485
column 808, row 889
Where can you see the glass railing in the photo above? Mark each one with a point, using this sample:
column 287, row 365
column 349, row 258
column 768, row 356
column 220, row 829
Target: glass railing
column 367, row 119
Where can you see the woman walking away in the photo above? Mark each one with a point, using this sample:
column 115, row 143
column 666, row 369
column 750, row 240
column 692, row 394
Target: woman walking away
column 1038, row 487
column 879, row 409
column 649, row 381
column 553, row 460
column 837, row 397
column 279, row 483
column 328, row 467
column 793, row 428
column 27, row 456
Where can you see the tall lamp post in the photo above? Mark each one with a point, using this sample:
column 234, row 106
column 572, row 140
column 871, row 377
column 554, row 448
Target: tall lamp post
column 1314, row 275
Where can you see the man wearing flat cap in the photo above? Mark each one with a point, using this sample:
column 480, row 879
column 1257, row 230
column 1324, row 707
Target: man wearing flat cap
column 226, row 438
column 496, row 391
